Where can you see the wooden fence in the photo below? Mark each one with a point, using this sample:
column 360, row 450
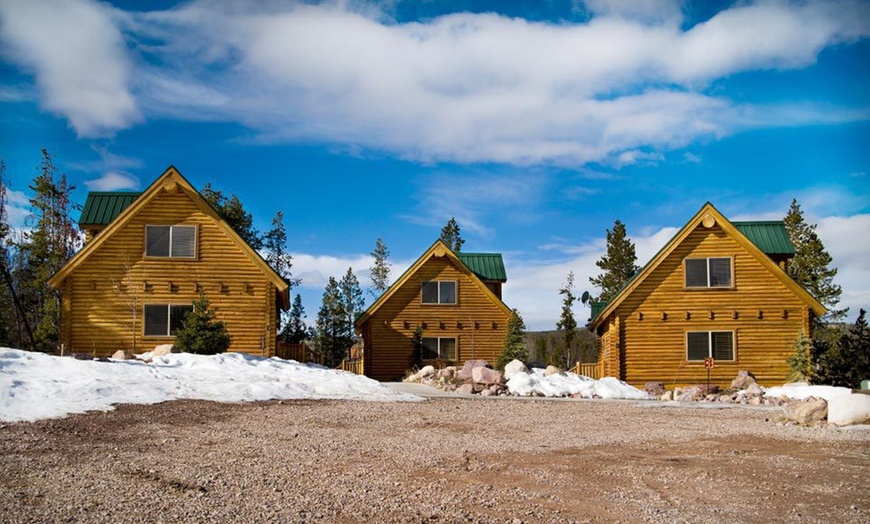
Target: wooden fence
column 298, row 352
column 353, row 365
column 594, row 370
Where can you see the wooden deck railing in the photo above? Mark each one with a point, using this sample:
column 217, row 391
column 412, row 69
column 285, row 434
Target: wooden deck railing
column 594, row 370
column 356, row 365
column 298, row 352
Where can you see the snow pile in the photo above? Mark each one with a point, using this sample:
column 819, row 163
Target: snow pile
column 34, row 386
column 568, row 384
column 800, row 391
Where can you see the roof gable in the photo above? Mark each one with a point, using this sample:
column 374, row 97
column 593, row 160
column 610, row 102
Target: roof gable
column 102, row 207
column 438, row 250
column 708, row 216
column 487, row 266
column 170, row 180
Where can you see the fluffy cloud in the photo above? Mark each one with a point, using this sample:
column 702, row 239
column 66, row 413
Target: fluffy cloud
column 79, row 58
column 464, row 87
column 113, row 181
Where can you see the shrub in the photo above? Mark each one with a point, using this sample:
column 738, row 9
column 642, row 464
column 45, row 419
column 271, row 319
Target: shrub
column 514, row 346
column 201, row 333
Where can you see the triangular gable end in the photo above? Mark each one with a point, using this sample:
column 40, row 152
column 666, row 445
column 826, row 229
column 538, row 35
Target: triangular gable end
column 172, row 180
column 709, row 216
column 438, row 249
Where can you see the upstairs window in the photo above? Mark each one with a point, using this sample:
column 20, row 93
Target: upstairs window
column 170, row 241
column 439, row 347
column 703, row 344
column 162, row 320
column 708, row 272
column 439, row 292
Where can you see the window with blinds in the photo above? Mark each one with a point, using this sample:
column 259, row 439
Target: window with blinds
column 703, row 344
column 170, row 241
column 708, row 272
column 162, row 320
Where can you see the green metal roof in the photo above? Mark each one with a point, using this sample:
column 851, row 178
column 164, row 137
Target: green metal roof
column 487, row 266
column 770, row 237
column 101, row 207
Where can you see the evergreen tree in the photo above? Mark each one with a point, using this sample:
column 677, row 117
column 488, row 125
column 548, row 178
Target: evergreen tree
column 847, row 362
column 800, row 362
column 380, row 272
column 567, row 325
column 8, row 299
column 352, row 296
column 231, row 209
column 333, row 330
column 43, row 250
column 417, row 348
column 295, row 331
column 514, row 347
column 275, row 244
column 451, row 236
column 810, row 265
column 201, row 333
column 618, row 263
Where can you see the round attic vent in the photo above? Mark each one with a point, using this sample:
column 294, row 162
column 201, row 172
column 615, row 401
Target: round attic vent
column 708, row 221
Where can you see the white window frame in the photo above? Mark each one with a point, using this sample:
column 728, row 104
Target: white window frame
column 439, row 302
column 438, row 348
column 709, row 284
column 710, row 345
column 168, row 307
column 171, row 230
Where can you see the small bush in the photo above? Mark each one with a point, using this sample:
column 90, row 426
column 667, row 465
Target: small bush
column 201, row 333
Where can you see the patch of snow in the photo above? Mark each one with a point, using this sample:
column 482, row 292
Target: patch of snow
column 800, row 390
column 568, row 384
column 35, row 386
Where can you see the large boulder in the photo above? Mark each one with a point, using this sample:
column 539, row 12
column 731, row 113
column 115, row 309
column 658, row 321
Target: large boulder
column 655, row 389
column 426, row 372
column 688, row 394
column 447, row 373
column 482, row 375
column 754, row 390
column 163, row 349
column 515, row 366
column 465, row 389
column 465, row 372
column 848, row 410
column 553, row 370
column 807, row 412
column 120, row 355
column 744, row 380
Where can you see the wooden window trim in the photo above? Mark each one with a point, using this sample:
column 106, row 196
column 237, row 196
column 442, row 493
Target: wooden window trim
column 439, row 303
column 169, row 307
column 170, row 257
column 710, row 344
column 708, row 287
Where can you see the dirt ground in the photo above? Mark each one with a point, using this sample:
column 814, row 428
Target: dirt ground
column 437, row 461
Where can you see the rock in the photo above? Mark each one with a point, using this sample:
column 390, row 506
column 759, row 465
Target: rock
column 848, row 410
column 163, row 349
column 482, row 375
column 465, row 389
column 688, row 394
column 426, row 371
column 711, row 397
column 754, row 390
column 515, row 366
column 120, row 355
column 754, row 401
column 487, row 393
column 667, row 396
column 655, row 389
column 446, row 373
column 465, row 372
column 713, row 388
column 552, row 370
column 806, row 412
column 744, row 380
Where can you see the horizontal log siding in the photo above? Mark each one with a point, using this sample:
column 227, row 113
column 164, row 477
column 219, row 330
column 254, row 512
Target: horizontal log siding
column 655, row 349
column 100, row 318
column 388, row 341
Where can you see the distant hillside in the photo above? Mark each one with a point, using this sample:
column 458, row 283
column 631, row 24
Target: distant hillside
column 546, row 347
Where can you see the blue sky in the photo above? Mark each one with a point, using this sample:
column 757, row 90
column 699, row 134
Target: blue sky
column 535, row 124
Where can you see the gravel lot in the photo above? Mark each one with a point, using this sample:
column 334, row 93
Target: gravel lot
column 444, row 460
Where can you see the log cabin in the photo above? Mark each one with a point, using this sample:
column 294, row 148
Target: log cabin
column 147, row 257
column 717, row 290
column 455, row 298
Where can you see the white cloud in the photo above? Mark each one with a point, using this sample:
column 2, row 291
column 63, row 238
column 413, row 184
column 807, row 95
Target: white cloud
column 79, row 58
column 17, row 209
column 462, row 87
column 843, row 237
column 113, row 181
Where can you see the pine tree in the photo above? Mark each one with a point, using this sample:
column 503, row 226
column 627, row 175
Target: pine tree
column 352, row 296
column 201, row 333
column 618, row 263
column 295, row 331
column 514, row 347
column 380, row 271
column 800, row 362
column 333, row 330
column 8, row 298
column 417, row 348
column 567, row 325
column 451, row 236
column 810, row 265
column 275, row 244
column 847, row 362
column 233, row 212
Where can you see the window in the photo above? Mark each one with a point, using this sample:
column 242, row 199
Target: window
column 439, row 347
column 170, row 241
column 439, row 292
column 162, row 320
column 703, row 344
column 708, row 272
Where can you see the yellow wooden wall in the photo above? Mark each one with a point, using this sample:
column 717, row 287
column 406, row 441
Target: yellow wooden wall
column 645, row 347
column 97, row 315
column 387, row 337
